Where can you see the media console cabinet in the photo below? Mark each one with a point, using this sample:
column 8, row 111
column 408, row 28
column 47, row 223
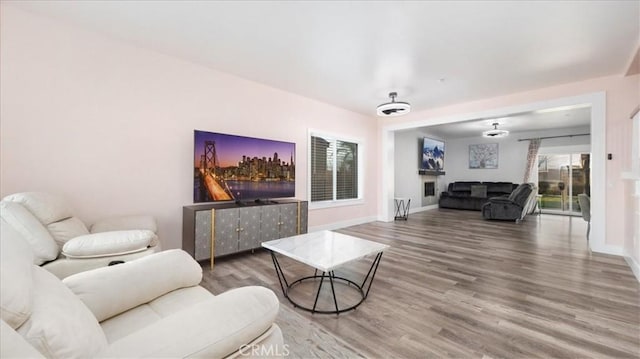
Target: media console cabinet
column 214, row 230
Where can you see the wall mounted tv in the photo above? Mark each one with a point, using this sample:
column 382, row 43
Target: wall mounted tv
column 432, row 155
column 237, row 168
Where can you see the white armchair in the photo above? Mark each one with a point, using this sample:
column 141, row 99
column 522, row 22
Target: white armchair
column 62, row 243
column 151, row 307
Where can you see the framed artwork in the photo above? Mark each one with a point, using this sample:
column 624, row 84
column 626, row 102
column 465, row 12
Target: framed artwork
column 432, row 154
column 484, row 155
column 543, row 163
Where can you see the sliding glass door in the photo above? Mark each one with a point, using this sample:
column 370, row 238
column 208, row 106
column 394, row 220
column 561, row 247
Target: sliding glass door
column 561, row 177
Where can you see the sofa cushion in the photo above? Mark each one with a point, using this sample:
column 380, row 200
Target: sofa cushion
column 60, row 326
column 463, row 186
column 499, row 187
column 460, row 194
column 42, row 244
column 48, row 208
column 13, row 345
column 16, row 287
column 195, row 331
column 479, row 191
column 108, row 244
column 139, row 317
column 106, row 291
column 63, row 231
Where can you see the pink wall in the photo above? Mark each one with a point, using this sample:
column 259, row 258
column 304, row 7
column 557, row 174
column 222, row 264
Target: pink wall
column 622, row 93
column 110, row 125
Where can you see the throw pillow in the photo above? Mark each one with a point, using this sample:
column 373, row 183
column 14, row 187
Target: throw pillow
column 479, row 191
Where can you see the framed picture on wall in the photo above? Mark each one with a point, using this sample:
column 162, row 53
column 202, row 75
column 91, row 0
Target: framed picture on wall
column 484, row 155
column 543, row 163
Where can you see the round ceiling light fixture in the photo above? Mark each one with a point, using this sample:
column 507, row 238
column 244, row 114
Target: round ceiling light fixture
column 495, row 132
column 393, row 108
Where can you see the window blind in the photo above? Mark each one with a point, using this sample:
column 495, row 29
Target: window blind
column 321, row 169
column 334, row 169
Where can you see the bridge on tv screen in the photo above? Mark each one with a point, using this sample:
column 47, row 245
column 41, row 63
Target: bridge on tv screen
column 210, row 173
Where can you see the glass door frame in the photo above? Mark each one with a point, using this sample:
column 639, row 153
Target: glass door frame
column 575, row 150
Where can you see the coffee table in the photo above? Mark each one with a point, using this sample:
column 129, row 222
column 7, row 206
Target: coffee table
column 326, row 251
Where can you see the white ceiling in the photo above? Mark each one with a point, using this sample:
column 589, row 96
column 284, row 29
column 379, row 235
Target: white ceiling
column 555, row 118
column 353, row 53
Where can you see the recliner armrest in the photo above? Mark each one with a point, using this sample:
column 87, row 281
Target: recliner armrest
column 107, row 244
column 124, row 223
column 109, row 291
column 504, row 200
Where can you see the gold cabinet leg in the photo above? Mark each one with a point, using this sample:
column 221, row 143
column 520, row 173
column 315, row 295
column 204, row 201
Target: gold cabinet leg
column 213, row 238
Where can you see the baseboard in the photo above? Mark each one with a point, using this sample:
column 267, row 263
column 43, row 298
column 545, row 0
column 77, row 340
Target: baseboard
column 422, row 209
column 635, row 268
column 338, row 225
column 608, row 249
column 411, row 210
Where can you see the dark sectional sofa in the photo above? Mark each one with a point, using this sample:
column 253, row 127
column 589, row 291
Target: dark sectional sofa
column 472, row 195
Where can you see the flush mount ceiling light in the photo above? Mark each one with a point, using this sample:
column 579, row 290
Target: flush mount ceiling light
column 495, row 132
column 393, row 108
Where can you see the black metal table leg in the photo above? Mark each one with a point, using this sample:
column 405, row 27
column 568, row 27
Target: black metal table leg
column 376, row 262
column 318, row 294
column 280, row 273
column 286, row 286
column 333, row 291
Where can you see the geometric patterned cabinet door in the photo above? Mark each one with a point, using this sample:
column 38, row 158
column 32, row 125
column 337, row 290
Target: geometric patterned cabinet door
column 225, row 231
column 288, row 220
column 203, row 235
column 303, row 217
column 234, row 228
column 278, row 221
column 269, row 228
column 249, row 228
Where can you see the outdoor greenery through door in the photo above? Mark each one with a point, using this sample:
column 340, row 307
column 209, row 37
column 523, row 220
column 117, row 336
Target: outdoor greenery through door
column 561, row 177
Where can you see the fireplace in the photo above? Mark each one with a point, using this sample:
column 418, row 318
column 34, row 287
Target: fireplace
column 429, row 189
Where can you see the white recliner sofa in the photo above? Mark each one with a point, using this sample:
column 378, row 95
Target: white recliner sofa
column 150, row 307
column 62, row 243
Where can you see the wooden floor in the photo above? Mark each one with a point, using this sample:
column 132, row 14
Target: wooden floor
column 454, row 285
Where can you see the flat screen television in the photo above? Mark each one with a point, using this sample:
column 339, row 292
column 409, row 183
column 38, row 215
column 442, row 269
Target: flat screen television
column 238, row 168
column 432, row 154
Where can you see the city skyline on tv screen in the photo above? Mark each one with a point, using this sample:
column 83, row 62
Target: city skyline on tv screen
column 231, row 167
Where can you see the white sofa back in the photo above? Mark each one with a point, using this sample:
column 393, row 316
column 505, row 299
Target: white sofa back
column 41, row 308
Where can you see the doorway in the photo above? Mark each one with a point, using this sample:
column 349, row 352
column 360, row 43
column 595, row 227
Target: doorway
column 597, row 101
column 561, row 177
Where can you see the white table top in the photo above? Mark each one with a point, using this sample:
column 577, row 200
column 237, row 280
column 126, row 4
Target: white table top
column 324, row 250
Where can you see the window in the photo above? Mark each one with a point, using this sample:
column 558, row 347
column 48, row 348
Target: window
column 334, row 169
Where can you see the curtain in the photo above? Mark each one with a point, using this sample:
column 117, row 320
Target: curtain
column 532, row 155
